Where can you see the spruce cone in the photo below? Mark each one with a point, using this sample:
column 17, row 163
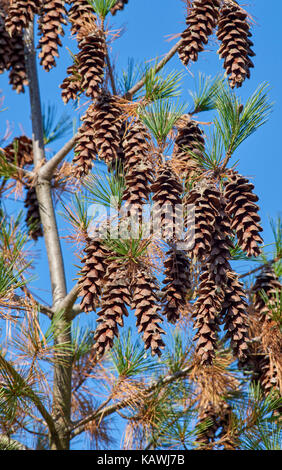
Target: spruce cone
column 137, row 168
column 116, row 296
column 234, row 312
column 201, row 21
column 118, row 6
column 85, row 150
column 206, row 313
column 243, row 213
column 234, row 33
column 17, row 75
column 33, row 220
column 167, row 191
column 145, row 302
column 177, row 283
column 71, row 85
column 79, row 13
column 50, row 25
column 107, row 128
column 20, row 151
column 206, row 204
column 92, row 274
column 91, row 58
column 267, row 284
column 20, row 14
column 189, row 143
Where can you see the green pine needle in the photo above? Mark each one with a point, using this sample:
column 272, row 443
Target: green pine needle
column 102, row 7
column 54, row 129
column 207, row 90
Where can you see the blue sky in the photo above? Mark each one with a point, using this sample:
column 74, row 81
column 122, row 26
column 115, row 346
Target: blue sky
column 147, row 25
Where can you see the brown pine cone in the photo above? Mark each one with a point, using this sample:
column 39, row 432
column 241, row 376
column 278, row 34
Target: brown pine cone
column 201, row 21
column 243, row 213
column 177, row 283
column 219, row 417
column 71, row 86
column 201, row 216
column 234, row 314
column 189, row 143
column 85, row 150
column 267, row 284
column 95, row 262
column 17, row 75
column 116, row 296
column 33, row 220
column 118, row 6
column 80, row 12
column 5, row 44
column 20, row 151
column 146, row 305
column 20, row 14
column 107, row 128
column 167, row 191
column 52, row 17
column 234, row 34
column 91, row 58
column 206, row 314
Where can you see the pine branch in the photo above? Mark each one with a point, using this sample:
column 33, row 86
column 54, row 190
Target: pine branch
column 7, row 443
column 259, row 268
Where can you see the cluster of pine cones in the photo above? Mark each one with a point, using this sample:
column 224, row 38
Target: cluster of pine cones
column 233, row 32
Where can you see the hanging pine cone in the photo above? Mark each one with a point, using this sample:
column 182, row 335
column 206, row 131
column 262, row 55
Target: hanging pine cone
column 107, row 128
column 145, row 303
column 5, row 44
column 116, row 296
column 243, row 213
column 177, row 283
column 118, row 6
column 218, row 417
column 71, row 85
column 79, row 13
column 200, row 221
column 33, row 220
column 95, row 262
column 91, row 58
column 189, row 143
column 20, row 15
column 18, row 75
column 85, row 150
column 52, row 17
column 137, row 167
column 267, row 284
column 234, row 313
column 206, row 316
column 234, row 34
column 167, row 191
column 201, row 21
column 20, row 151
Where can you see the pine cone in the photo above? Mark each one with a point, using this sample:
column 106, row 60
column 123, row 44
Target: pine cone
column 243, row 213
column 79, row 13
column 137, row 168
column 206, row 313
column 189, row 143
column 118, row 6
column 5, row 44
column 107, row 128
column 234, row 33
column 116, row 296
column 167, row 191
column 18, row 75
column 201, row 217
column 201, row 21
column 177, row 283
column 92, row 273
column 50, row 26
column 33, row 220
column 85, row 150
column 91, row 58
column 20, row 151
column 234, row 313
column 71, row 85
column 145, row 303
column 218, row 417
column 267, row 284
column 20, row 14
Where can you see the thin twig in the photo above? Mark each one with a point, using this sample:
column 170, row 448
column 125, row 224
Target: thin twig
column 259, row 268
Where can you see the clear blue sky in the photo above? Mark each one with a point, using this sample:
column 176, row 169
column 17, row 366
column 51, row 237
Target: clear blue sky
column 147, row 25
